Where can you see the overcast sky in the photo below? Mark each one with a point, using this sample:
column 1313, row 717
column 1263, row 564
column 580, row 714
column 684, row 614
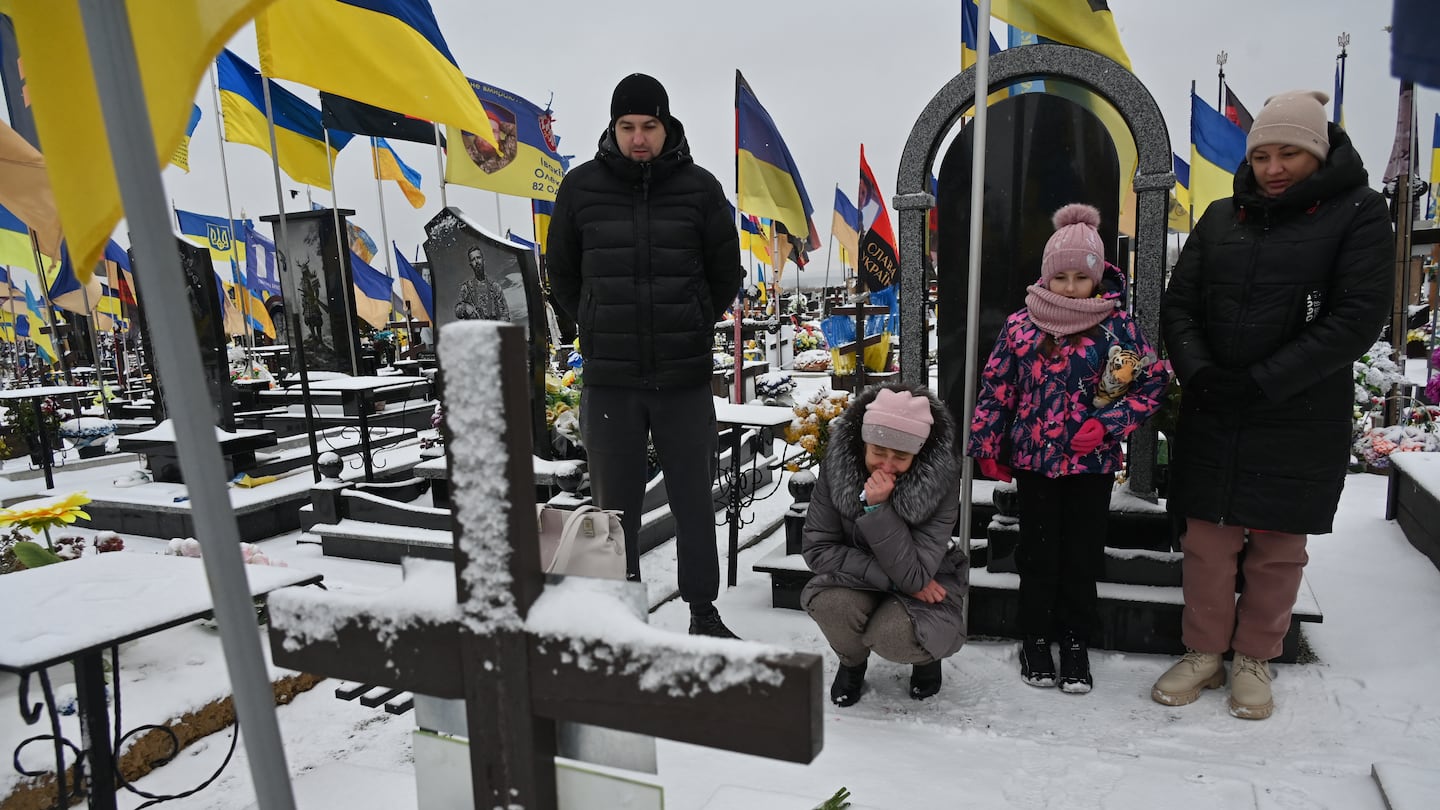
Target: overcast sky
column 832, row 74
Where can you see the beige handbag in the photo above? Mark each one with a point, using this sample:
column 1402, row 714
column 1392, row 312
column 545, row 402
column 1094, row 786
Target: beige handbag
column 586, row 542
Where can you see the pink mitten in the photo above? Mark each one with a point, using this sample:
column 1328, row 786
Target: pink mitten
column 994, row 469
column 1088, row 437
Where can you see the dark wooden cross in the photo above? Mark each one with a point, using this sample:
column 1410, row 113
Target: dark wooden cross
column 517, row 683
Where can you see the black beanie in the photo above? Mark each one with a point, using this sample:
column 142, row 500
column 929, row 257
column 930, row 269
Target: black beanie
column 638, row 94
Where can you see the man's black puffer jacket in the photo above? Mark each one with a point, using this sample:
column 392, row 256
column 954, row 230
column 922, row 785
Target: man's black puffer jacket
column 646, row 258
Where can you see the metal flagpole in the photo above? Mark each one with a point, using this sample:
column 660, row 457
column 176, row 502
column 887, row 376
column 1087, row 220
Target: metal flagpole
column 14, row 333
column 249, row 333
column 1220, row 59
column 972, row 303
column 94, row 326
column 132, row 145
column 829, row 251
column 440, row 168
column 384, row 229
column 295, row 337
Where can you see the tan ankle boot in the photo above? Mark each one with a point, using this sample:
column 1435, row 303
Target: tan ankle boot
column 1250, row 689
column 1182, row 683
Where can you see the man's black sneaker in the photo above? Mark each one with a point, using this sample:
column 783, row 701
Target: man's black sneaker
column 1075, row 665
column 709, row 624
column 1037, row 666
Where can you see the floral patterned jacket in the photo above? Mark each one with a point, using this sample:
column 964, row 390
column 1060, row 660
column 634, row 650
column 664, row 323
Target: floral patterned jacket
column 1031, row 405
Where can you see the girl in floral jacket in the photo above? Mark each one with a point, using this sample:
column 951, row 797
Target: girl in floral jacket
column 1049, row 416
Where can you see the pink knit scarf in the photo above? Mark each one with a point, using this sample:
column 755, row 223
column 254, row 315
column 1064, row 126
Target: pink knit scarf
column 1060, row 316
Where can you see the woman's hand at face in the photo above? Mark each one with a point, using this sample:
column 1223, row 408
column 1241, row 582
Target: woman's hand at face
column 878, row 487
column 932, row 593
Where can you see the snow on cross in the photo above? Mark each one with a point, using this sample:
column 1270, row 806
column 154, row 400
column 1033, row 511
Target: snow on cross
column 521, row 653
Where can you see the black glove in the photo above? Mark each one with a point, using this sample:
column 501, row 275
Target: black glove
column 1222, row 390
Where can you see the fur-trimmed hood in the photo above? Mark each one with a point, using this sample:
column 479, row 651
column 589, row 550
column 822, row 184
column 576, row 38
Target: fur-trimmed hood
column 918, row 493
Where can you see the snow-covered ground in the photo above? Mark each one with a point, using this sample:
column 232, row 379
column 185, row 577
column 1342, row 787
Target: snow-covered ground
column 986, row 741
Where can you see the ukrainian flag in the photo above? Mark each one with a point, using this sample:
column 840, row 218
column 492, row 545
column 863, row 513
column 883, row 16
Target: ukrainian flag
column 216, row 233
column 1179, row 217
column 66, row 291
column 37, row 334
column 1082, row 23
column 1217, row 148
column 372, row 293
column 970, row 42
column 389, row 166
column 1435, row 160
column 174, row 43
column 387, row 53
column 299, row 135
column 413, row 288
column 753, row 239
column 845, row 225
column 540, row 213
column 769, row 182
column 15, row 246
column 181, row 157
column 1337, row 99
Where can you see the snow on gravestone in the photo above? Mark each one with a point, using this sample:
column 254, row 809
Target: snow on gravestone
column 522, row 654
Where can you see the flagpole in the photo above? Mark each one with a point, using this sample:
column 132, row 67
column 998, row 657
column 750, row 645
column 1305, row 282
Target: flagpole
column 249, row 333
column 342, row 241
column 440, row 170
column 1191, row 211
column 829, row 251
column 499, row 228
column 282, row 261
column 14, row 330
column 384, row 229
column 50, row 309
column 1220, row 59
column 972, row 303
column 1343, row 41
column 94, row 327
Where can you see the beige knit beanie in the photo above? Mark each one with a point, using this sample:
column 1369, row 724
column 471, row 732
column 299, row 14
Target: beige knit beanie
column 1296, row 118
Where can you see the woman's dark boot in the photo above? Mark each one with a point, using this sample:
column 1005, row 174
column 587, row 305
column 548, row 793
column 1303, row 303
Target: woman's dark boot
column 849, row 682
column 1037, row 665
column 924, row 680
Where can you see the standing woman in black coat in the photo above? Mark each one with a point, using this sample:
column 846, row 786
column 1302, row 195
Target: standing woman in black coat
column 1278, row 290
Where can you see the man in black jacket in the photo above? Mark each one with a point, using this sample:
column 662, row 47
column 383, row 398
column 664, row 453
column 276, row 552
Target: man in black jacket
column 644, row 254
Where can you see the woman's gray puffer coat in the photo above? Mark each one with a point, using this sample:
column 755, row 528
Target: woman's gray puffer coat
column 901, row 546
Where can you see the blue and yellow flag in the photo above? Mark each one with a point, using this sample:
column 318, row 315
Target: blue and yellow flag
column 299, row 135
column 526, row 163
column 66, row 291
column 117, row 270
column 845, row 224
column 36, row 331
column 769, row 182
column 15, row 246
column 260, row 274
column 372, row 292
column 1217, row 148
column 216, row 233
column 1082, row 23
column 1178, row 218
column 389, row 166
column 174, row 43
column 970, row 39
column 387, row 53
column 540, row 212
column 414, row 289
column 181, row 157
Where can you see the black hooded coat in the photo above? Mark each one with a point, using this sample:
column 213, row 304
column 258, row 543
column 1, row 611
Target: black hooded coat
column 902, row 545
column 646, row 258
column 1292, row 289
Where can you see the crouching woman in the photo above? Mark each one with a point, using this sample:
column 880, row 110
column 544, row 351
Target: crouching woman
column 877, row 538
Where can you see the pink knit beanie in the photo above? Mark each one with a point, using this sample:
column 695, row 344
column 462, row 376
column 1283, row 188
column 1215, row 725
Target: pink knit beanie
column 898, row 420
column 1296, row 118
column 1075, row 244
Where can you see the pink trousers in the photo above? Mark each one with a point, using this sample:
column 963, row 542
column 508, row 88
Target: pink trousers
column 1214, row 621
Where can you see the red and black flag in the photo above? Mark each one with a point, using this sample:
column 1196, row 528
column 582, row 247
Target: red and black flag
column 878, row 263
column 348, row 115
column 1236, row 112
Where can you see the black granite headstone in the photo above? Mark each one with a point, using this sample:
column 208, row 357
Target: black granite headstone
column 315, row 280
column 1042, row 152
column 202, row 291
column 477, row 275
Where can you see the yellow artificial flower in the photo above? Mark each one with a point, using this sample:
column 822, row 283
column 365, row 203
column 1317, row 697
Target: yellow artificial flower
column 56, row 513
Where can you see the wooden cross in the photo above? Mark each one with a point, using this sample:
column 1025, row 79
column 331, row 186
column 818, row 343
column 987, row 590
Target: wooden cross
column 517, row 682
